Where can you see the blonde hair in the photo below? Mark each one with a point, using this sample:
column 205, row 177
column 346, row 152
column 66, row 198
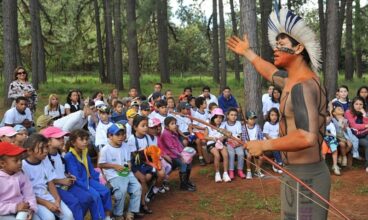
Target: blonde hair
column 50, row 97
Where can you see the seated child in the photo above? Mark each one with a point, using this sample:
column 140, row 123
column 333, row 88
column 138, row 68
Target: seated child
column 330, row 138
column 16, row 189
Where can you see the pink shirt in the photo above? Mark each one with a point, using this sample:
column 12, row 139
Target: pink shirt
column 170, row 144
column 15, row 189
column 352, row 118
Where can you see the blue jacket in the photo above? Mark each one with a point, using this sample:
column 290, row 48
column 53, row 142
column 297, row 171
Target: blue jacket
column 225, row 104
column 76, row 168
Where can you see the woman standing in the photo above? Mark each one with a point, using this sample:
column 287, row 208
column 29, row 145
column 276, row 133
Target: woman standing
column 22, row 87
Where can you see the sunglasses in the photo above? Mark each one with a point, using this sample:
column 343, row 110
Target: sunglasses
column 22, row 73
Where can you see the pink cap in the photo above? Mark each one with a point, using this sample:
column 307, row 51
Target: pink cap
column 153, row 122
column 217, row 111
column 7, row 131
column 53, row 132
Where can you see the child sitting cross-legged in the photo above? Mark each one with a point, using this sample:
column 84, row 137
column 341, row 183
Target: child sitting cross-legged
column 115, row 162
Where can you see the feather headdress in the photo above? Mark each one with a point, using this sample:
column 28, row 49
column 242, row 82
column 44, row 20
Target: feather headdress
column 285, row 21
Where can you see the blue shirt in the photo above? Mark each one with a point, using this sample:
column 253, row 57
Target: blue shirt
column 225, row 104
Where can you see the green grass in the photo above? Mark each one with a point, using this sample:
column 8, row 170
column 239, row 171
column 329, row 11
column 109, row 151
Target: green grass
column 361, row 190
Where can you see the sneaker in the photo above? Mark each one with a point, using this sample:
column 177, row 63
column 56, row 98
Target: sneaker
column 218, row 177
column 280, row 171
column 231, row 174
column 149, row 195
column 344, row 161
column 158, row 189
column 336, row 170
column 275, row 169
column 241, row 174
column 202, row 162
column 249, row 175
column 259, row 174
column 339, row 159
column 226, row 177
column 165, row 184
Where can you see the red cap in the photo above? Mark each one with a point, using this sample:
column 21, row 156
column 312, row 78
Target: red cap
column 8, row 149
column 53, row 132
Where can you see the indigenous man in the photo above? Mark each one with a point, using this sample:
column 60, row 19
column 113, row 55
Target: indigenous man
column 302, row 108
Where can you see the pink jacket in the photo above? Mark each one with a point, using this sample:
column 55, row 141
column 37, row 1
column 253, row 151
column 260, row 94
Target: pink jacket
column 15, row 189
column 351, row 119
column 170, row 144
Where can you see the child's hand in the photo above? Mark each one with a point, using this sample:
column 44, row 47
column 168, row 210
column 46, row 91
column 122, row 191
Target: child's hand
column 118, row 167
column 52, row 207
column 22, row 206
column 30, row 215
column 67, row 181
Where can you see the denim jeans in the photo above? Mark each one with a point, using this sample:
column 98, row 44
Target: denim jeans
column 44, row 213
column 238, row 151
column 177, row 162
column 122, row 186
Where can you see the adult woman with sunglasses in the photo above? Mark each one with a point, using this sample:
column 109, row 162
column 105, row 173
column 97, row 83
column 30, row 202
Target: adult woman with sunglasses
column 22, row 87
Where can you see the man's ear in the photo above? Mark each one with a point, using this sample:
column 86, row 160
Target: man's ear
column 299, row 49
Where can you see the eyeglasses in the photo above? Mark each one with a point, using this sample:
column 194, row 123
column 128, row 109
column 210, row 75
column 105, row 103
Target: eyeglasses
column 22, row 73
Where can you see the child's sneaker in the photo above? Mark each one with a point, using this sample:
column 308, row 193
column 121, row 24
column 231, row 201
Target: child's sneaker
column 336, row 170
column 218, row 177
column 226, row 177
column 249, row 175
column 241, row 174
column 231, row 174
column 165, row 185
column 259, row 174
column 339, row 159
column 202, row 162
column 344, row 161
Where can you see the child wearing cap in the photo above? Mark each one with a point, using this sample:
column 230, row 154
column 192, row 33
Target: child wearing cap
column 7, row 134
column 119, row 113
column 216, row 147
column 103, row 124
column 252, row 131
column 161, row 111
column 198, row 128
column 185, row 128
column 16, row 189
column 145, row 109
column 115, row 162
column 42, row 176
column 130, row 114
column 75, row 197
column 21, row 136
column 235, row 128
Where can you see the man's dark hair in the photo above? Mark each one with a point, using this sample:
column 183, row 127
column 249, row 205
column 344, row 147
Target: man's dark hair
column 206, row 88
column 295, row 43
column 226, row 87
column 187, row 88
column 21, row 98
column 199, row 101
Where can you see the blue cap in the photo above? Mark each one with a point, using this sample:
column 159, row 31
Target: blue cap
column 115, row 128
column 19, row 128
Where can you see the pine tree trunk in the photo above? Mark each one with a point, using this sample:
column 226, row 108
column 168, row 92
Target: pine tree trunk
column 215, row 44
column 341, row 18
column 109, row 42
column 358, row 31
column 163, row 40
column 331, row 48
column 349, row 60
column 223, row 74
column 34, row 12
column 41, row 49
column 235, row 33
column 266, row 50
column 9, row 15
column 252, row 80
column 322, row 31
column 118, row 49
column 132, row 45
column 101, row 62
column 19, row 55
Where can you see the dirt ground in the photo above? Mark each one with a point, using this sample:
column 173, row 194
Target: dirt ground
column 252, row 199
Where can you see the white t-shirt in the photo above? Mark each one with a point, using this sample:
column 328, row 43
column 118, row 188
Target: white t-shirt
column 331, row 128
column 153, row 140
column 252, row 132
column 183, row 123
column 39, row 175
column 67, row 105
column 135, row 143
column 101, row 133
column 265, row 98
column 271, row 129
column 213, row 133
column 268, row 105
column 203, row 116
column 128, row 128
column 159, row 117
column 60, row 111
column 211, row 99
column 59, row 167
column 235, row 129
column 114, row 155
column 13, row 117
column 68, row 123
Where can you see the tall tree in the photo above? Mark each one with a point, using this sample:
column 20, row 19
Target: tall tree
column 35, row 16
column 222, row 47
column 133, row 68
column 322, row 31
column 266, row 50
column 252, row 80
column 163, row 40
column 341, row 18
column 9, row 14
column 101, row 62
column 19, row 55
column 358, row 31
column 41, row 49
column 235, row 32
column 332, row 58
column 215, row 44
column 109, row 41
column 117, row 44
column 349, row 61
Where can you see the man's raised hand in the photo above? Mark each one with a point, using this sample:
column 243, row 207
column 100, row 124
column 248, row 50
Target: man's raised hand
column 237, row 45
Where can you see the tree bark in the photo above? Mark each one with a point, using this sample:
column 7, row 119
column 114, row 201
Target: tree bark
column 266, row 50
column 215, row 44
column 163, row 40
column 109, row 42
column 101, row 62
column 132, row 45
column 322, row 31
column 19, row 54
column 223, row 74
column 9, row 15
column 252, row 80
column 349, row 61
column 331, row 48
column 358, row 31
column 41, row 49
column 118, row 49
column 235, row 33
column 34, row 12
column 341, row 18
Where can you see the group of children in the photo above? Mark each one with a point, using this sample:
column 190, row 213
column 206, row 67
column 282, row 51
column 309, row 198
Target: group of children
column 138, row 143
